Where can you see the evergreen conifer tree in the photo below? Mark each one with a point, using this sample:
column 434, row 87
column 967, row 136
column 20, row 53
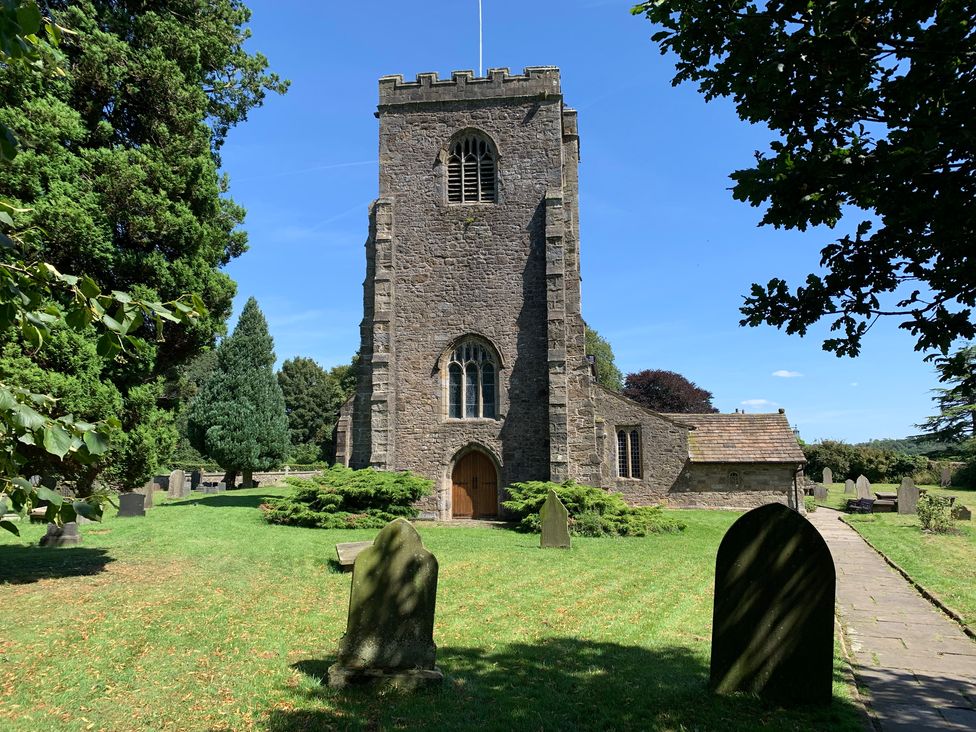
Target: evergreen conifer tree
column 238, row 419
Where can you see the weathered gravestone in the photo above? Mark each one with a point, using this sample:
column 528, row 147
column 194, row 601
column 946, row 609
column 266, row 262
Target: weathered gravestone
column 390, row 631
column 555, row 523
column 907, row 496
column 849, row 486
column 148, row 490
column 961, row 513
column 66, row 535
column 828, row 476
column 946, row 477
column 221, row 487
column 820, row 492
column 132, row 504
column 177, row 484
column 195, row 478
column 863, row 487
column 209, row 487
column 773, row 619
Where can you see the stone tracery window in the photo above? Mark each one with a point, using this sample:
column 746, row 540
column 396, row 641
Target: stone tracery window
column 471, row 170
column 628, row 453
column 471, row 386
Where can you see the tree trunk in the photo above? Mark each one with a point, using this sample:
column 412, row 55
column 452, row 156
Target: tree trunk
column 246, row 479
column 229, row 477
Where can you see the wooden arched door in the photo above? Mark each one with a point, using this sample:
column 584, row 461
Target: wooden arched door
column 475, row 491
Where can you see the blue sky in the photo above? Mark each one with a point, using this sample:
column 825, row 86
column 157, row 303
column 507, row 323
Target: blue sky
column 666, row 253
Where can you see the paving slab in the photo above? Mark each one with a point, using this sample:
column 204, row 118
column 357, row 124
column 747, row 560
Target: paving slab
column 913, row 665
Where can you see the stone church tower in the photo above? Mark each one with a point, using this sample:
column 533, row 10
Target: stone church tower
column 472, row 339
column 473, row 370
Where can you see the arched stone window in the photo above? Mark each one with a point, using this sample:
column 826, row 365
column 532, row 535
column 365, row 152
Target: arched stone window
column 471, row 168
column 472, row 374
column 628, row 452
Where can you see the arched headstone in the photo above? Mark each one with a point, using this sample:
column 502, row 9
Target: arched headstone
column 132, row 504
column 828, row 476
column 907, row 496
column 773, row 619
column 849, row 486
column 863, row 486
column 390, row 630
column 555, row 523
column 66, row 535
column 177, row 481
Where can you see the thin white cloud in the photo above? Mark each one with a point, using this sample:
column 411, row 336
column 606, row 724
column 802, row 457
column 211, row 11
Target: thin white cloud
column 785, row 374
column 853, row 383
column 757, row 403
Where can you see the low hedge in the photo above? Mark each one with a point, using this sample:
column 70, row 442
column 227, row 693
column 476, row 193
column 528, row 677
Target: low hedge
column 592, row 511
column 343, row 498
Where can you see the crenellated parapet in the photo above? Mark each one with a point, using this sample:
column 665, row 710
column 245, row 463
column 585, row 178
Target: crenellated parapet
column 535, row 81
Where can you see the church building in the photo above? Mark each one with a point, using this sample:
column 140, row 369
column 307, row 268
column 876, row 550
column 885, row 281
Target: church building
column 473, row 370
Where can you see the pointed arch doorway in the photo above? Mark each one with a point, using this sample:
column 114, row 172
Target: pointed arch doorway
column 474, row 487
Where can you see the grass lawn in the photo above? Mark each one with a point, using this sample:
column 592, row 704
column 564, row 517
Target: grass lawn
column 943, row 564
column 202, row 617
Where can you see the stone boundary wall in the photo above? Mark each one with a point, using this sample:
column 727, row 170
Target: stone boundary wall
column 265, row 478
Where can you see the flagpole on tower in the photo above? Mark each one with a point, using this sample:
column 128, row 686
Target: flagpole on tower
column 481, row 67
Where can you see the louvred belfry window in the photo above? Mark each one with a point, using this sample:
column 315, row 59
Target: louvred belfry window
column 471, row 171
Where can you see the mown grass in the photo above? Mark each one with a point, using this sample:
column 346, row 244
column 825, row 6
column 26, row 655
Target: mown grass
column 942, row 563
column 202, row 617
column 836, row 498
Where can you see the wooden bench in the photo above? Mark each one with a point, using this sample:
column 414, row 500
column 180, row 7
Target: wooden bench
column 348, row 551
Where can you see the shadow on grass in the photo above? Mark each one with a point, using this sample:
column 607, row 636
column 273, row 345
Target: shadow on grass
column 558, row 684
column 222, row 500
column 25, row 564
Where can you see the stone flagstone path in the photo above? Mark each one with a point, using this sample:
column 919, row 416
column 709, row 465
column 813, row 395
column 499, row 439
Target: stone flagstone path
column 914, row 667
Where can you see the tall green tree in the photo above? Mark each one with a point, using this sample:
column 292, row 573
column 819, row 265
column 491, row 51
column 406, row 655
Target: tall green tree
column 117, row 177
column 607, row 373
column 872, row 105
column 313, row 398
column 956, row 420
column 238, row 419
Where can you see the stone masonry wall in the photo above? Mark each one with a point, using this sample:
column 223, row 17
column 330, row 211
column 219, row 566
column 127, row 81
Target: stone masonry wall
column 444, row 271
column 711, row 484
column 664, row 448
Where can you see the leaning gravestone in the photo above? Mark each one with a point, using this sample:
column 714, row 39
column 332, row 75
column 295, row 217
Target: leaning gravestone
column 148, row 490
column 390, row 631
column 66, row 535
column 177, row 481
column 849, row 486
column 907, row 496
column 555, row 523
column 863, row 486
column 132, row 504
column 820, row 492
column 828, row 476
column 773, row 619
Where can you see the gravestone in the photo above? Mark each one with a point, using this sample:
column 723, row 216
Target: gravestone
column 209, row 487
column 773, row 619
column 907, row 496
column 961, row 513
column 132, row 504
column 828, row 476
column 946, row 477
column 148, row 490
column 863, row 486
column 195, row 478
column 66, row 535
column 820, row 492
column 849, row 486
column 390, row 630
column 555, row 523
column 221, row 486
column 177, row 484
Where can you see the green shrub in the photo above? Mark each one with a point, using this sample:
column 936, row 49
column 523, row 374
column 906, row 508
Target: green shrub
column 935, row 513
column 342, row 498
column 810, row 503
column 304, row 453
column 592, row 511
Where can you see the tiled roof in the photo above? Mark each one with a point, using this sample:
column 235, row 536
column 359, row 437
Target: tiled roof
column 741, row 438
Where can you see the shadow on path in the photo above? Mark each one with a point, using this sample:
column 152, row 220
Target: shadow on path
column 25, row 564
column 557, row 684
column 222, row 500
